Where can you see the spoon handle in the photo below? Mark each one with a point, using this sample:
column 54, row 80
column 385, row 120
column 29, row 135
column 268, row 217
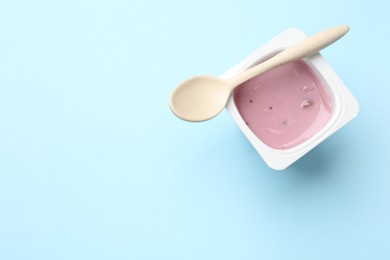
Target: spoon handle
column 300, row 50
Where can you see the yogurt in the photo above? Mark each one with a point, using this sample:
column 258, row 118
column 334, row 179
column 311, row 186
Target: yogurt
column 285, row 106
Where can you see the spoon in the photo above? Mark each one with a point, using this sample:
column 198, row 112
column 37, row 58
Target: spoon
column 203, row 97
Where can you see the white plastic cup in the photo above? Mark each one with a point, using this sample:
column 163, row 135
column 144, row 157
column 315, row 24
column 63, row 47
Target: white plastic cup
column 345, row 105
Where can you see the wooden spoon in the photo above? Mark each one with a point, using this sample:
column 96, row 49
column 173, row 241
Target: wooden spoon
column 203, row 97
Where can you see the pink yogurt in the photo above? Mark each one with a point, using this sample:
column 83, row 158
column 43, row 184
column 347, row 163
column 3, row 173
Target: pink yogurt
column 285, row 106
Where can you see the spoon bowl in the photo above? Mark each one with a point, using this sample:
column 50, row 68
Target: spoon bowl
column 200, row 98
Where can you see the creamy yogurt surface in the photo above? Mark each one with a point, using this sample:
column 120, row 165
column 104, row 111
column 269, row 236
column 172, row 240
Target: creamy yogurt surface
column 285, row 106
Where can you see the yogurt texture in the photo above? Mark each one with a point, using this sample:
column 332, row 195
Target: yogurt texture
column 285, row 106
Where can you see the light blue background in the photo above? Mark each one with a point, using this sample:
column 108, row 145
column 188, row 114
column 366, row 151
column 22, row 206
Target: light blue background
column 93, row 165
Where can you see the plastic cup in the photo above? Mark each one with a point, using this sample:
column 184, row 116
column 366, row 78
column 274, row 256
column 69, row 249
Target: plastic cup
column 345, row 105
